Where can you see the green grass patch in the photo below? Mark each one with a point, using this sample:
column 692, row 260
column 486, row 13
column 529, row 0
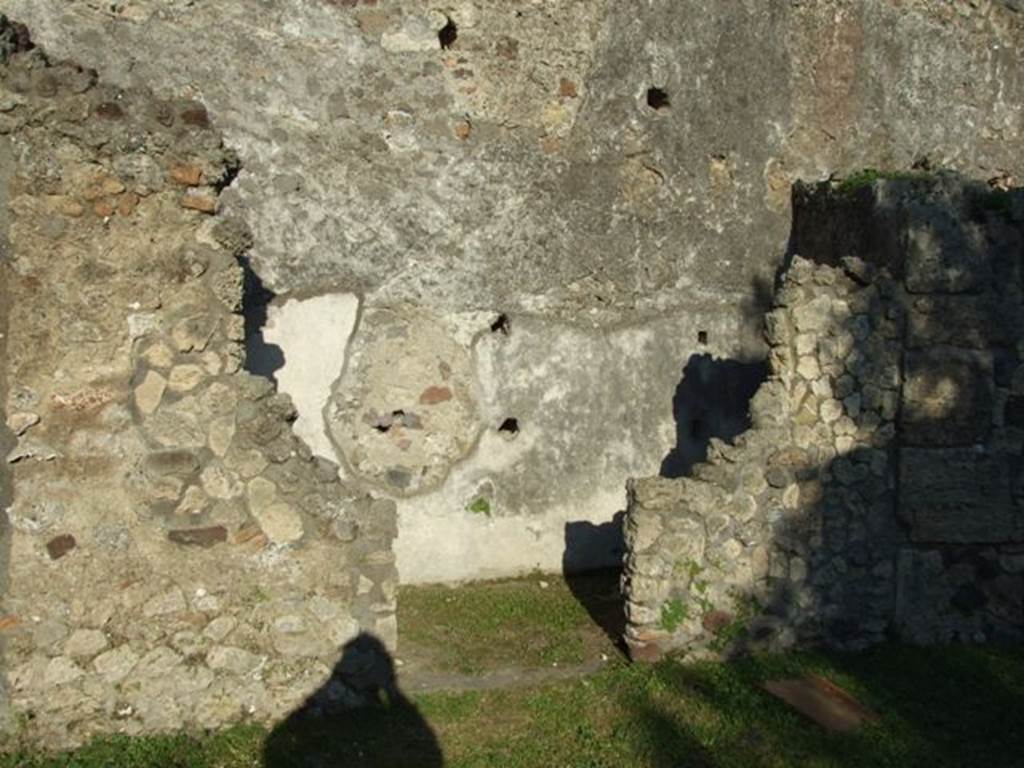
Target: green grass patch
column 940, row 707
column 511, row 623
column 673, row 614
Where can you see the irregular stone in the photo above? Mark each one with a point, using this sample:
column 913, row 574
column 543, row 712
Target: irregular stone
column 189, row 644
column 85, row 643
column 851, row 404
column 791, row 497
column 418, row 34
column 278, row 520
column 193, row 333
column 830, row 411
column 212, row 363
column 344, row 530
column 193, row 503
column 187, row 175
column 28, row 448
column 808, row 368
column 174, row 462
column 814, row 316
column 115, row 665
column 149, row 393
column 290, row 624
column 171, row 601
column 20, row 422
column 185, row 377
column 342, row 629
column 49, row 633
column 199, row 537
column 237, row 661
column 222, row 432
column 219, row 483
column 220, row 628
column 365, row 586
column 204, row 201
column 160, row 662
column 61, row 670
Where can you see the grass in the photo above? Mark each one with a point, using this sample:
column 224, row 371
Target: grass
column 480, row 506
column 535, row 622
column 867, row 176
column 954, row 706
column 938, row 707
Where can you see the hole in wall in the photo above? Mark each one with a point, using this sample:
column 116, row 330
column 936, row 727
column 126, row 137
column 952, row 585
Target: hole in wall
column 501, row 324
column 397, row 418
column 657, row 98
column 448, row 34
column 702, row 337
column 510, row 426
column 232, row 167
column 261, row 358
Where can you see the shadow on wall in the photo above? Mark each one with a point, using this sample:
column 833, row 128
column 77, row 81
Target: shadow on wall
column 587, row 544
column 712, row 400
column 597, row 589
column 261, row 358
column 907, row 534
column 358, row 717
column 890, row 504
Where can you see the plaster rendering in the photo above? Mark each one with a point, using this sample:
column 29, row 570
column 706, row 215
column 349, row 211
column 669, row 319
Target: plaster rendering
column 311, row 336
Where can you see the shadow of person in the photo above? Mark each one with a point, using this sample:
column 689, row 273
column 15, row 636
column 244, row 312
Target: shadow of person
column 358, row 717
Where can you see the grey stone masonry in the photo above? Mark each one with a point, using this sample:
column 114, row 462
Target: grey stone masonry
column 177, row 559
column 878, row 493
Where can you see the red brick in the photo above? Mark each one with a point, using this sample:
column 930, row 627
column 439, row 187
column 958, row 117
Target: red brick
column 435, row 395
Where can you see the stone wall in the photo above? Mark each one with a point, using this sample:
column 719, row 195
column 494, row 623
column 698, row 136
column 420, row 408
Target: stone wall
column 175, row 557
column 878, row 493
column 523, row 167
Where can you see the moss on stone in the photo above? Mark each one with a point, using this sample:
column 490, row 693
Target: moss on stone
column 865, row 177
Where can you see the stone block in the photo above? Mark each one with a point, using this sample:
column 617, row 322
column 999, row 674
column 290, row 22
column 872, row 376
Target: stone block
column 943, row 254
column 956, row 495
column 973, row 322
column 948, row 398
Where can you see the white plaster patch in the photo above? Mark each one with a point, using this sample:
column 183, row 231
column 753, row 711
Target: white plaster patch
column 592, row 408
column 313, row 334
column 440, row 544
column 442, row 540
